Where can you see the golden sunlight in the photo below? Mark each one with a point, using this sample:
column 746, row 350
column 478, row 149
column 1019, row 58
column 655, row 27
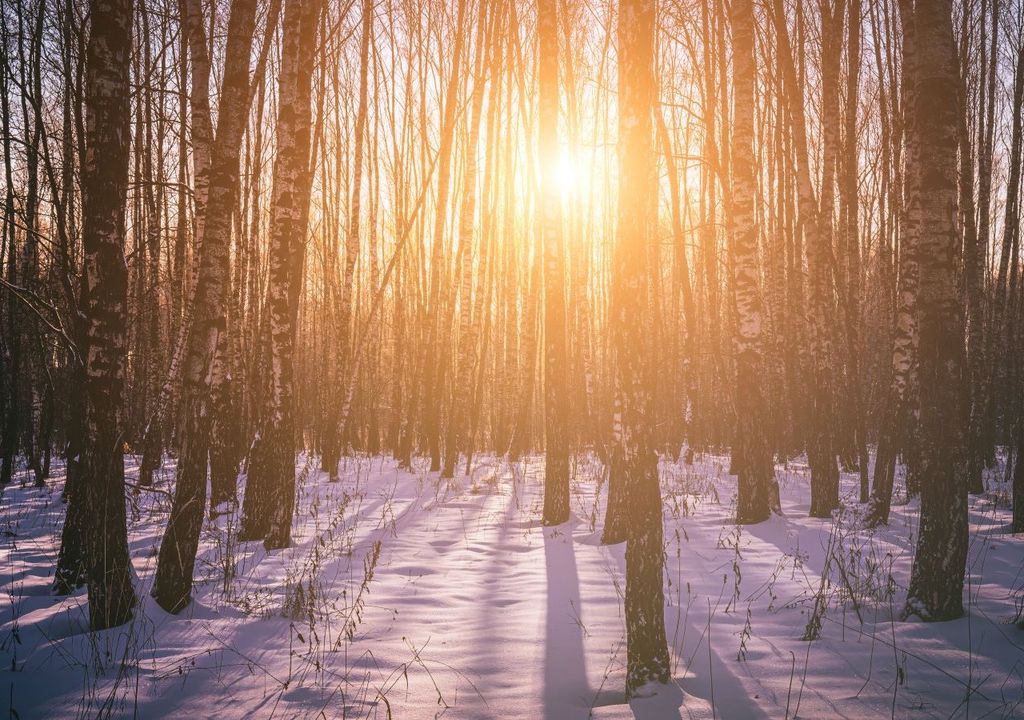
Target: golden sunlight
column 566, row 173
column 368, row 357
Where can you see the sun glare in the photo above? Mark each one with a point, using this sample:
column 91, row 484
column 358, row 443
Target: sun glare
column 566, row 174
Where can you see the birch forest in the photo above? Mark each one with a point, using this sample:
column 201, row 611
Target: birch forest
column 512, row 358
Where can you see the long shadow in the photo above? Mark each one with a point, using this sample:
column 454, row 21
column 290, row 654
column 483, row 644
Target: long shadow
column 566, row 691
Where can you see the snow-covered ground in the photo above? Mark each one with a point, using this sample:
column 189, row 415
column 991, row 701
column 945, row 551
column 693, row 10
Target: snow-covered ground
column 407, row 596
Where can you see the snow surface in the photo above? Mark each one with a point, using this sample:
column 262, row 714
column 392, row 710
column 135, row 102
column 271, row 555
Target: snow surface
column 468, row 608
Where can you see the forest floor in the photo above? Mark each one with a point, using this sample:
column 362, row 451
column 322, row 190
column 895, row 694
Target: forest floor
column 407, row 596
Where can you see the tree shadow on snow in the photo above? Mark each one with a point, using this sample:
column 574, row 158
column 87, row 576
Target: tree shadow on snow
column 566, row 691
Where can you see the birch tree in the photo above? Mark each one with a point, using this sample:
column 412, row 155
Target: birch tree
column 556, row 376
column 646, row 647
column 752, row 459
column 937, row 576
column 821, row 445
column 899, row 419
column 208, row 328
column 270, row 494
column 345, row 333
column 104, row 308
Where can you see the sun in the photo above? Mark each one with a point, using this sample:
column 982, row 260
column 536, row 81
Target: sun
column 566, row 174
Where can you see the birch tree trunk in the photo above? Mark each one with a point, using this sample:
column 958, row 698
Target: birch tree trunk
column 462, row 393
column 192, row 19
column 682, row 287
column 849, row 214
column 973, row 281
column 937, row 576
column 647, row 658
column 104, row 308
column 757, row 489
column 556, row 376
column 983, row 435
column 821, row 446
column 71, row 571
column 433, row 369
column 227, row 371
column 332, row 451
column 270, row 492
column 207, row 336
column 898, row 431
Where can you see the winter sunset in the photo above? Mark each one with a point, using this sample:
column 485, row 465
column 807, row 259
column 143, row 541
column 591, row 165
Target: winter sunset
column 511, row 359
